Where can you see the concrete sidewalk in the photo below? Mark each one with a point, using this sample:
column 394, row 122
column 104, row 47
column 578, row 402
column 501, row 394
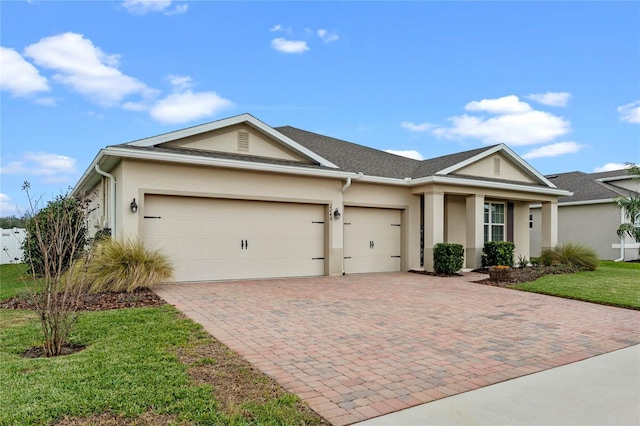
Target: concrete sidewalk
column 603, row 390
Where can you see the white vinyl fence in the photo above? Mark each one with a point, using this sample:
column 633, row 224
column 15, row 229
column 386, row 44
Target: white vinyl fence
column 11, row 245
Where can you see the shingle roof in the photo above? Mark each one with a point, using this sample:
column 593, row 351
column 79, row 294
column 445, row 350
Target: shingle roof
column 586, row 187
column 348, row 156
column 352, row 157
column 358, row 158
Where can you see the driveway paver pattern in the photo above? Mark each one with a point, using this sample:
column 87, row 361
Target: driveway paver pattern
column 364, row 345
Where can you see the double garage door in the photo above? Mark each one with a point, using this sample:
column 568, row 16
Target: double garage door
column 222, row 239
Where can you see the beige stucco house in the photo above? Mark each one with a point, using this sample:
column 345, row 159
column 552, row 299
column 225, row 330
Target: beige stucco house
column 237, row 198
column 591, row 215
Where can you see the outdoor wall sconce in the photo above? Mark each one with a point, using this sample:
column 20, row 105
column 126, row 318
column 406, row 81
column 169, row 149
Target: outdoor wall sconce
column 134, row 206
column 336, row 214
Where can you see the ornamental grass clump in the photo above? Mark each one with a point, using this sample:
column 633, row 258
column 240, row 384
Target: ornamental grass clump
column 122, row 266
column 574, row 255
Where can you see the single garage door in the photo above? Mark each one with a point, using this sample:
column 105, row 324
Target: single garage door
column 220, row 239
column 371, row 240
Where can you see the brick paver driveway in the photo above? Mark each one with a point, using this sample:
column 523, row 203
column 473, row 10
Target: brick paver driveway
column 360, row 346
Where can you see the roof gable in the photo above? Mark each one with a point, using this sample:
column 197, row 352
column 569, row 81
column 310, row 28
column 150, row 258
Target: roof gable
column 219, row 136
column 497, row 162
column 238, row 139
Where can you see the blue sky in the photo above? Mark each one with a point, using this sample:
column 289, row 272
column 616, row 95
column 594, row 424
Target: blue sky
column 557, row 82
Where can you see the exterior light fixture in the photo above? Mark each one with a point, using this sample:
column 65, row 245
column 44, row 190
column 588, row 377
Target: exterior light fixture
column 336, row 214
column 134, row 206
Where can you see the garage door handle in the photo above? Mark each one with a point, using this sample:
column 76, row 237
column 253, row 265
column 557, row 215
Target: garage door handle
column 244, row 244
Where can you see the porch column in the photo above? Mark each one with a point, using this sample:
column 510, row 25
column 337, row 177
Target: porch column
column 433, row 225
column 521, row 229
column 549, row 224
column 475, row 230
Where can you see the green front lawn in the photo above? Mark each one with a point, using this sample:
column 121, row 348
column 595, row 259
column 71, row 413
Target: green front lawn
column 127, row 368
column 151, row 365
column 616, row 284
column 12, row 280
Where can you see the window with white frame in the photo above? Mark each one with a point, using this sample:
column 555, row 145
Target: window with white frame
column 494, row 219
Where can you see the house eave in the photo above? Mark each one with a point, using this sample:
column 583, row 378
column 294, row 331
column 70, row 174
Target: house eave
column 118, row 152
column 491, row 184
column 109, row 156
column 579, row 203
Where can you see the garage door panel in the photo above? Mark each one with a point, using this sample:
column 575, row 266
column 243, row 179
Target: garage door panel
column 204, row 238
column 372, row 240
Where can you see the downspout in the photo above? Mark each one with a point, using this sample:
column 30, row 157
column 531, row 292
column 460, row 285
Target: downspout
column 347, row 184
column 112, row 199
column 621, row 239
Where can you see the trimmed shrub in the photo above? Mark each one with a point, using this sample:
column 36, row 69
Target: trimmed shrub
column 498, row 253
column 448, row 258
column 573, row 255
column 121, row 266
column 59, row 229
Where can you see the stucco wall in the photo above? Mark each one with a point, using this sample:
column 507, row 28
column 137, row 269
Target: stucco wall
column 593, row 225
column 455, row 219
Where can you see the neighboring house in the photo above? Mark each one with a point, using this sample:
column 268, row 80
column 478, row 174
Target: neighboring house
column 591, row 216
column 237, row 199
column 11, row 244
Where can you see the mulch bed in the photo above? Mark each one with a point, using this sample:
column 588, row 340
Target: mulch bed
column 524, row 275
column 139, row 298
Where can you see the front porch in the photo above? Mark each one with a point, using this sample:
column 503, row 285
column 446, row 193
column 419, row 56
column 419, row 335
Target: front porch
column 449, row 215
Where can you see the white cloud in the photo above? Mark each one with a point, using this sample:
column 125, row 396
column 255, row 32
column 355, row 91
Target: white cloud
column 183, row 107
column 556, row 99
column 611, row 166
column 505, row 105
column 553, row 150
column 180, row 82
column 142, row 7
column 178, row 10
column 514, row 123
column 85, row 68
column 327, row 37
column 411, row 153
column 7, row 207
column 630, row 112
column 289, row 46
column 422, row 127
column 18, row 76
column 137, row 106
column 277, row 27
column 53, row 167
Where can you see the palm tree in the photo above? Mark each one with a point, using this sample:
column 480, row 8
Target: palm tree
column 631, row 207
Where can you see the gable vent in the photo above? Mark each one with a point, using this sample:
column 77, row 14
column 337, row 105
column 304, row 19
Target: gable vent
column 496, row 166
column 243, row 141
